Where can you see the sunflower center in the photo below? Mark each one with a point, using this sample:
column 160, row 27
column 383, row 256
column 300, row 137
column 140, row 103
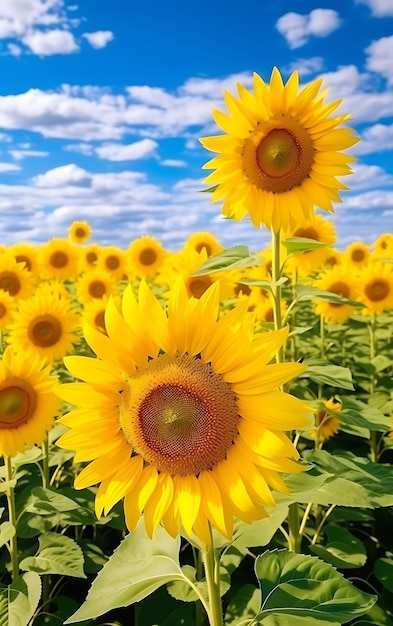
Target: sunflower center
column 80, row 232
column 58, row 259
column 148, row 256
column 179, row 415
column 112, row 262
column 278, row 155
column 197, row 286
column 377, row 290
column 357, row 255
column 21, row 258
column 199, row 247
column 307, row 233
column 45, row 330
column 97, row 289
column 10, row 282
column 341, row 289
column 18, row 401
column 91, row 257
column 99, row 320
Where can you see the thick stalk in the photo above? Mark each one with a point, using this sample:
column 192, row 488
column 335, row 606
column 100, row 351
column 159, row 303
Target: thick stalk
column 374, row 454
column 212, row 572
column 12, row 518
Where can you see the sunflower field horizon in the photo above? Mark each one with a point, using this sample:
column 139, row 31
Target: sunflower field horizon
column 205, row 436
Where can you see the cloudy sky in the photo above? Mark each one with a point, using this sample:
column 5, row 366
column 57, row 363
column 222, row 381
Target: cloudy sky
column 102, row 104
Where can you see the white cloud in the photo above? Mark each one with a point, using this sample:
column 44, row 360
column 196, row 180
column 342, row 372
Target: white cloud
column 376, row 138
column 368, row 176
column 131, row 152
column 379, row 8
column 173, row 163
column 307, row 66
column 18, row 155
column 99, row 39
column 14, row 50
column 19, row 16
column 9, row 167
column 297, row 28
column 380, row 55
column 65, row 175
column 47, row 43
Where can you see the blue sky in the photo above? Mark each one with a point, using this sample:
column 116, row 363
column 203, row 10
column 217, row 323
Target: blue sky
column 102, row 104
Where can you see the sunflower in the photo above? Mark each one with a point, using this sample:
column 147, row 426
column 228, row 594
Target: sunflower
column 112, row 259
column 7, row 308
column 181, row 414
column 357, row 254
column 58, row 259
column 45, row 325
column 204, row 239
column 94, row 314
column 88, row 257
column 319, row 229
column 383, row 246
column 326, row 421
column 15, row 278
column 28, row 405
column 376, row 287
column 281, row 153
column 79, row 231
column 145, row 256
column 95, row 284
column 338, row 280
column 27, row 254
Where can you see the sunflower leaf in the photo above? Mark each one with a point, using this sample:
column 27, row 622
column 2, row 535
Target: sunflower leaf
column 231, row 258
column 296, row 245
column 332, row 375
column 342, row 548
column 304, row 586
column 57, row 554
column 307, row 292
column 19, row 600
column 138, row 567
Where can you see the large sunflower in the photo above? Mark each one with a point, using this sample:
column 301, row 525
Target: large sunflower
column 46, row 325
column 181, row 415
column 281, row 153
column 28, row 405
column 376, row 287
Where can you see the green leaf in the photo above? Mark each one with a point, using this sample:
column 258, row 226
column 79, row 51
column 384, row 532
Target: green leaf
column 57, row 554
column 243, row 605
column 303, row 586
column 383, row 570
column 138, row 567
column 293, row 620
column 306, row 292
column 19, row 600
column 351, row 481
column 181, row 589
column 265, row 284
column 342, row 549
column 296, row 245
column 231, row 258
column 45, row 501
column 7, row 531
column 260, row 532
column 332, row 375
column 359, row 418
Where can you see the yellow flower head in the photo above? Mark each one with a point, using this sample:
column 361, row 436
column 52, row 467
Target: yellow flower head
column 376, row 287
column 79, row 231
column 319, row 229
column 181, row 414
column 7, row 308
column 112, row 259
column 204, row 239
column 27, row 254
column 281, row 153
column 28, row 405
column 58, row 259
column 46, row 325
column 326, row 421
column 357, row 254
column 341, row 281
column 145, row 256
column 15, row 278
column 95, row 284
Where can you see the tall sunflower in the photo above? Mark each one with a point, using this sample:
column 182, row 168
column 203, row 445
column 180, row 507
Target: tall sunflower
column 45, row 325
column 181, row 415
column 145, row 256
column 204, row 239
column 25, row 253
column 357, row 254
column 319, row 229
column 95, row 284
column 79, row 231
column 15, row 278
column 281, row 153
column 28, row 405
column 112, row 259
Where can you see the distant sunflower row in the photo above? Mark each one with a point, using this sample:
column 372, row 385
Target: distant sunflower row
column 48, row 291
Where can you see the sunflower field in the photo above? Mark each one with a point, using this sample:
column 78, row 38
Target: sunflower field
column 204, row 437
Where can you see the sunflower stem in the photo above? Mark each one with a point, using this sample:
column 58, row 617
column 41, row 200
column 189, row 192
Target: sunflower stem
column 45, row 463
column 12, row 518
column 212, row 572
column 373, row 350
column 276, row 275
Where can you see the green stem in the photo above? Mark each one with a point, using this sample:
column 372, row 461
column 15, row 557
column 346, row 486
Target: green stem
column 293, row 527
column 45, row 463
column 212, row 571
column 276, row 275
column 12, row 518
column 373, row 349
